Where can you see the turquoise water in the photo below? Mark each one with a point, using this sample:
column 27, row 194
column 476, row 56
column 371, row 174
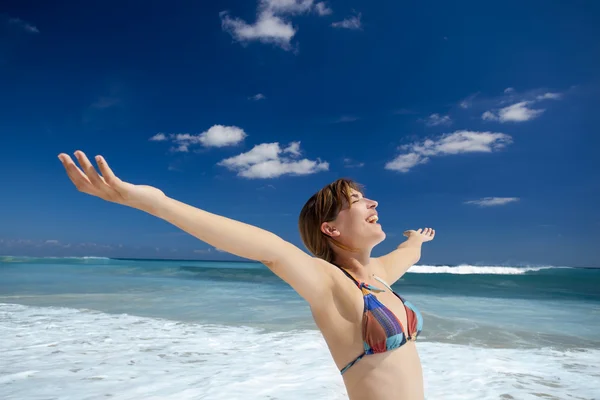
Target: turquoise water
column 488, row 324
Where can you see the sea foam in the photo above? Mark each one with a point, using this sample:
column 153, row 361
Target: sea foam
column 473, row 269
column 64, row 353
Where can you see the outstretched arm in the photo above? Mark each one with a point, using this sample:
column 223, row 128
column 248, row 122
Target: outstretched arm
column 301, row 271
column 397, row 262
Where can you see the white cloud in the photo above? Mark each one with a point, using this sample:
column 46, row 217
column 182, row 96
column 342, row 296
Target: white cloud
column 268, row 28
column 286, row 6
column 322, row 9
column 272, row 23
column 489, row 116
column 221, row 136
column 404, row 162
column 549, row 96
column 293, row 149
column 257, row 97
column 159, row 137
column 492, row 201
column 267, row 160
column 215, row 136
column 349, row 23
column 447, row 144
column 520, row 108
column 518, row 112
column 23, row 25
column 437, row 119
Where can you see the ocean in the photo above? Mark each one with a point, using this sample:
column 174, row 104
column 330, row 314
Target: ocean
column 98, row 328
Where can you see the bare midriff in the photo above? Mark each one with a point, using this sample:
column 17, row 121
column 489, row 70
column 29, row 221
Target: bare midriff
column 393, row 375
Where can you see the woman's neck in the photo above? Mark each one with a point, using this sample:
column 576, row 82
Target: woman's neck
column 359, row 265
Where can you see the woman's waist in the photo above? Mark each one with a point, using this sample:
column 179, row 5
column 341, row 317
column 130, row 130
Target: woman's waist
column 395, row 374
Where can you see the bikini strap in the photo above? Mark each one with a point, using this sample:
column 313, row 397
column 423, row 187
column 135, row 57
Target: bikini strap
column 349, row 276
column 364, row 287
column 384, row 283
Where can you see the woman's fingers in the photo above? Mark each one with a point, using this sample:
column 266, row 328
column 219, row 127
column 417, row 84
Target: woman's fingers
column 103, row 190
column 89, row 169
column 109, row 176
column 79, row 179
column 88, row 180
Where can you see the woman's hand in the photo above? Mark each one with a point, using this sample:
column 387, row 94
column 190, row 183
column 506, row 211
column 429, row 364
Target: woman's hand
column 108, row 187
column 425, row 235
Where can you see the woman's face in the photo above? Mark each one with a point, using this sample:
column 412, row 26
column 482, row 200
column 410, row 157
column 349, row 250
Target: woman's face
column 356, row 225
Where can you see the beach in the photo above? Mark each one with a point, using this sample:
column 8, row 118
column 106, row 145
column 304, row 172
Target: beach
column 96, row 328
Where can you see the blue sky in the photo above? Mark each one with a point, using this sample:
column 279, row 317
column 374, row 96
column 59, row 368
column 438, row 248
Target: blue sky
column 477, row 119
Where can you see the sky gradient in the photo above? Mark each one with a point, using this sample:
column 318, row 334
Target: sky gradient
column 479, row 120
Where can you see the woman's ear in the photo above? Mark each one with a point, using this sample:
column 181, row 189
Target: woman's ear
column 329, row 230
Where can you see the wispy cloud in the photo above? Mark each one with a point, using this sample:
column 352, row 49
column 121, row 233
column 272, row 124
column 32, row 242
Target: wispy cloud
column 404, row 111
column 437, row 120
column 27, row 27
column 215, row 136
column 52, row 244
column 468, row 102
column 549, row 96
column 267, row 187
column 519, row 112
column 108, row 110
column 257, row 97
column 270, row 160
column 346, row 118
column 492, row 201
column 350, row 163
column 204, row 251
column 272, row 23
column 513, row 106
column 159, row 137
column 448, row 144
column 105, row 102
column 353, row 22
column 322, row 9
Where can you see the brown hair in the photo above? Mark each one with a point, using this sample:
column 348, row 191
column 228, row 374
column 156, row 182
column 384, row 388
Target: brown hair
column 324, row 206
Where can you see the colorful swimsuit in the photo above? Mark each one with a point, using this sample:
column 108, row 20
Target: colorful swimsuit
column 381, row 329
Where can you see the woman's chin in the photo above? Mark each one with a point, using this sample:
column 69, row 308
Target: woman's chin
column 379, row 237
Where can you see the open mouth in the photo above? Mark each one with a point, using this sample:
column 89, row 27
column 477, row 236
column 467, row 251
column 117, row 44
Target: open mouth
column 373, row 219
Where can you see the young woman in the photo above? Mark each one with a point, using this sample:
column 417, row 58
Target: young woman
column 369, row 329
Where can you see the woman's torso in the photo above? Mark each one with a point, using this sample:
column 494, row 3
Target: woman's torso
column 394, row 374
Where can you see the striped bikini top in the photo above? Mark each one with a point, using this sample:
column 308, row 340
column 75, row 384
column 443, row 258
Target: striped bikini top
column 381, row 330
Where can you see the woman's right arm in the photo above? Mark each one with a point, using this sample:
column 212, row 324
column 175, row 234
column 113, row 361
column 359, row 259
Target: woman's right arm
column 304, row 273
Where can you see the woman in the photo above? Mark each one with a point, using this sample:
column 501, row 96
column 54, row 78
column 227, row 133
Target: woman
column 370, row 331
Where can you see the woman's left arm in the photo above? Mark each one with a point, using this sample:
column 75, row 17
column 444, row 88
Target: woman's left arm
column 396, row 263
